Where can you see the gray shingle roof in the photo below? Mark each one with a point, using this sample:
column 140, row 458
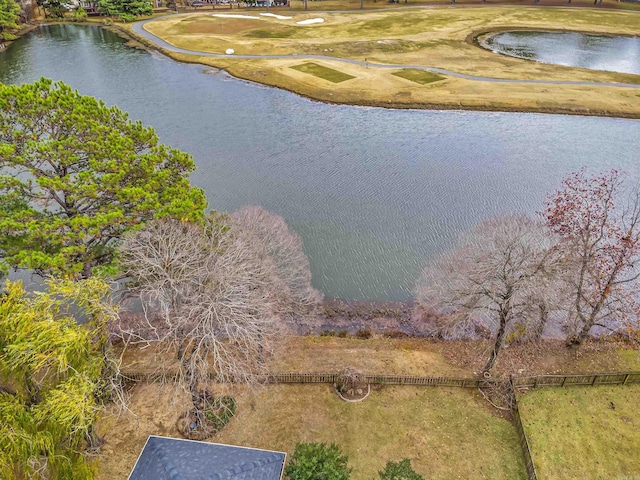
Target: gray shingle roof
column 175, row 459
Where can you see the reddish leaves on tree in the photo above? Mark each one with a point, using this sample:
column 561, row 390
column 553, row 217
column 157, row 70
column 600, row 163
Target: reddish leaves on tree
column 600, row 242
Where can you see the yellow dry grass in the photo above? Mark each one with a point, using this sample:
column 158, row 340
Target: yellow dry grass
column 331, row 5
column 374, row 356
column 447, row 433
column 431, row 37
column 412, row 356
column 328, row 355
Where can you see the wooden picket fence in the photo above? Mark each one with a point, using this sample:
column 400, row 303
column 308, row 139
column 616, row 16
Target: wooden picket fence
column 330, row 378
column 620, row 378
column 524, row 442
column 379, row 380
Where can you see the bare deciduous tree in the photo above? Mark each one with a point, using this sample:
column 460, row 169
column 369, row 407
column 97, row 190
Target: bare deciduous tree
column 496, row 279
column 601, row 239
column 207, row 297
column 296, row 295
column 215, row 294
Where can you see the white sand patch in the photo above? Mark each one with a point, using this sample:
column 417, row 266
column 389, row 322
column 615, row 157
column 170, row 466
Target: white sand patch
column 310, row 21
column 228, row 15
column 279, row 17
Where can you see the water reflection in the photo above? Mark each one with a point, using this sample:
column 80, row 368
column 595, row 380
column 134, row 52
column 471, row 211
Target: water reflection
column 596, row 52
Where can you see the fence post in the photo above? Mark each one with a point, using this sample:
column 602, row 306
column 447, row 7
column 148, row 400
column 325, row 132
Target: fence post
column 626, row 377
column 564, row 380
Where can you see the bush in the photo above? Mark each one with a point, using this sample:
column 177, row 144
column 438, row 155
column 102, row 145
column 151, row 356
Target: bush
column 395, row 334
column 363, row 334
column 57, row 11
column 317, row 461
column 80, row 15
column 127, row 17
column 399, row 471
column 220, row 411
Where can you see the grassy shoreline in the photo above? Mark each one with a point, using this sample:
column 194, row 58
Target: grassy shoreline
column 457, row 49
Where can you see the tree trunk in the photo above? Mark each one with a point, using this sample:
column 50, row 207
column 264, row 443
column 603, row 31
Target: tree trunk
column 584, row 333
column 544, row 317
column 498, row 343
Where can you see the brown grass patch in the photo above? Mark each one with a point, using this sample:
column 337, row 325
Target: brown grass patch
column 216, row 25
column 374, row 356
column 447, row 433
column 414, row 356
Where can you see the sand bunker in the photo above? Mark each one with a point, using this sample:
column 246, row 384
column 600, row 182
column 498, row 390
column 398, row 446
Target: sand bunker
column 272, row 15
column 310, row 21
column 279, row 17
column 228, row 15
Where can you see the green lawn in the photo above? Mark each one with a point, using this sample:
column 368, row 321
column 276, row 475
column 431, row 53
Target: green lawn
column 418, row 76
column 325, row 73
column 584, row 432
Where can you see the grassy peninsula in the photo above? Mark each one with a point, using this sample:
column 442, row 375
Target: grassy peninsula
column 440, row 37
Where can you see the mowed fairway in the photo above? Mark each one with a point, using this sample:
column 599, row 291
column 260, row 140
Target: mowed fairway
column 584, row 432
column 438, row 37
column 447, row 433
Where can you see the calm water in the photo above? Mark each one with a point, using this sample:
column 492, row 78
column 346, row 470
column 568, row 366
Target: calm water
column 373, row 192
column 596, row 52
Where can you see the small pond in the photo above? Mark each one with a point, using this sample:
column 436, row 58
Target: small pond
column 595, row 52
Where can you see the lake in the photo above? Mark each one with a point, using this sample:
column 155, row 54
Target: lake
column 373, row 192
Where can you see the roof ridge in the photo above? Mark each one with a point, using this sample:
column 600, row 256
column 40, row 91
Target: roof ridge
column 166, row 462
